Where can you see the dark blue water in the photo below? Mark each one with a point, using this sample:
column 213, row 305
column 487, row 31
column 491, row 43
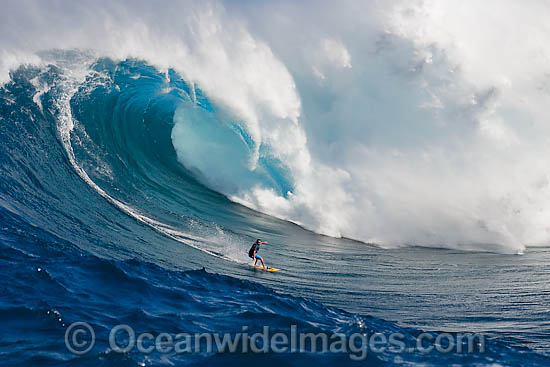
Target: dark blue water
column 100, row 223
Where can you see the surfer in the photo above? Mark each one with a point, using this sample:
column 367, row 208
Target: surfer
column 253, row 252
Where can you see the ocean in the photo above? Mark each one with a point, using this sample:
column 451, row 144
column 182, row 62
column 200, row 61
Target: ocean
column 101, row 224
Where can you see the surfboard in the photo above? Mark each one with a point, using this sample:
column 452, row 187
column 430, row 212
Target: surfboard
column 271, row 270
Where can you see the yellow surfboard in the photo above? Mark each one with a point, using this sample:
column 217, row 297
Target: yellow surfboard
column 271, row 270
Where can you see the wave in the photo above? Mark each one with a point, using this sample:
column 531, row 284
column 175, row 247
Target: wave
column 392, row 134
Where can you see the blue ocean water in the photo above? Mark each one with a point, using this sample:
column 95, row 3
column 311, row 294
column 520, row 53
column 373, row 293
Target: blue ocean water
column 100, row 223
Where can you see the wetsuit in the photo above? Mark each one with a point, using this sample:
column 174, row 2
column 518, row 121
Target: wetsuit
column 255, row 248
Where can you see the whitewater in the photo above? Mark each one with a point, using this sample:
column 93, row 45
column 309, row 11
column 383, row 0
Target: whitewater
column 392, row 153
